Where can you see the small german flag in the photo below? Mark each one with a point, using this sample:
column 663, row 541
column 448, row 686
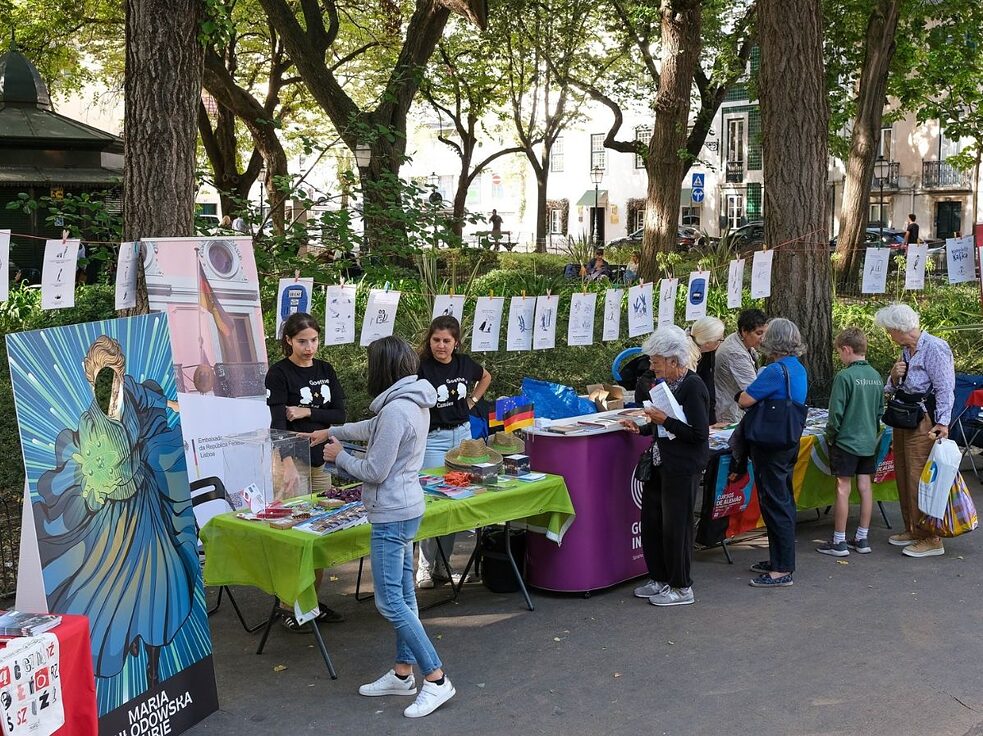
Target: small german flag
column 493, row 421
column 514, row 412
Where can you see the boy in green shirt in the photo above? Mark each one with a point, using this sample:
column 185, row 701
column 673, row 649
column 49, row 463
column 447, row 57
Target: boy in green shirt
column 852, row 430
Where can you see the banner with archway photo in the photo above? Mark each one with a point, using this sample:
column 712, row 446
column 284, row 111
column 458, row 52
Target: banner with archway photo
column 109, row 530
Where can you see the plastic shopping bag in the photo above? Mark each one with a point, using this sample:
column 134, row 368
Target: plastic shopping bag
column 555, row 401
column 960, row 514
column 937, row 478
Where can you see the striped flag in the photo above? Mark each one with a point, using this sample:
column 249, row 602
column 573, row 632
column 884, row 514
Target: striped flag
column 514, row 412
column 209, row 302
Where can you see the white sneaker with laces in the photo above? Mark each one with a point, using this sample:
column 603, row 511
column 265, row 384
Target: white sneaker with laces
column 389, row 684
column 431, row 697
column 424, row 580
column 652, row 587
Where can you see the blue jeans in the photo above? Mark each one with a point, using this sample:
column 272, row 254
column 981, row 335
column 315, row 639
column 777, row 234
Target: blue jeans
column 439, row 442
column 395, row 595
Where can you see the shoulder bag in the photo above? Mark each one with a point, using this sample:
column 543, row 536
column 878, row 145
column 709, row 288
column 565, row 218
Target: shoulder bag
column 905, row 410
column 776, row 424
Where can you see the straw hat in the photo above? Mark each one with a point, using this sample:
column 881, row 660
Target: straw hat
column 507, row 443
column 470, row 453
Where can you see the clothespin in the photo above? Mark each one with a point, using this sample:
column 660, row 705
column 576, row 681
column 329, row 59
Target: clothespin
column 296, row 275
column 342, row 280
column 64, row 237
column 386, row 287
column 523, row 294
column 452, row 291
column 549, row 293
column 491, row 293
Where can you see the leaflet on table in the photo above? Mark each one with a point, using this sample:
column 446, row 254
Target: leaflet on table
column 17, row 623
column 664, row 401
column 349, row 515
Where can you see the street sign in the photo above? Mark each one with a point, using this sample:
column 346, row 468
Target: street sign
column 698, row 180
column 697, row 194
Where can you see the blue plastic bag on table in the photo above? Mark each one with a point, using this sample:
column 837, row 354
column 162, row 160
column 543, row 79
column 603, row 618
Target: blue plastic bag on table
column 555, row 401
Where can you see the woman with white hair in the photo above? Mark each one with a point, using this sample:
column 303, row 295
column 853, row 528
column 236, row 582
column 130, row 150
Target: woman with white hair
column 923, row 377
column 708, row 334
column 670, row 487
column 783, row 378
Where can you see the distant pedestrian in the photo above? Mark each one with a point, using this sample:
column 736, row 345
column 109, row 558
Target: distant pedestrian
column 852, row 430
column 239, row 224
column 631, row 270
column 496, row 223
column 911, row 231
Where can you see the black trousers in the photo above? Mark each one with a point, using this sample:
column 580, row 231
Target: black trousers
column 773, row 481
column 667, row 526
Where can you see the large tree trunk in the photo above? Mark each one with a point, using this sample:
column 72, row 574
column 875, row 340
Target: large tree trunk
column 381, row 198
column 664, row 165
column 162, row 87
column 882, row 27
column 541, row 170
column 794, row 122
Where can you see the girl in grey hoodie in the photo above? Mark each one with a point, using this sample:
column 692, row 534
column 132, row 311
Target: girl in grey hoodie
column 393, row 498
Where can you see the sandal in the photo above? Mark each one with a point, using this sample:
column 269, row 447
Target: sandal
column 328, row 615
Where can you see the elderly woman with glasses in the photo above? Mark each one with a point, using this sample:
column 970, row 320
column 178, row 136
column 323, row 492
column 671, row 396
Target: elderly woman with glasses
column 783, row 378
column 679, row 454
column 924, row 374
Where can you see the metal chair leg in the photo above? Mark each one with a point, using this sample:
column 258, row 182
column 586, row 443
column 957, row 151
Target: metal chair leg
column 723, row 544
column 887, row 523
column 235, row 606
column 454, row 588
column 274, row 615
column 358, row 583
column 515, row 567
column 218, row 602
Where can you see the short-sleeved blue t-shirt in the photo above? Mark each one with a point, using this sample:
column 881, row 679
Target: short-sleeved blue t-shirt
column 770, row 383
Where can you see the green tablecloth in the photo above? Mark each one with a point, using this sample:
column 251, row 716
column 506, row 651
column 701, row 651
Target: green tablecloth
column 282, row 562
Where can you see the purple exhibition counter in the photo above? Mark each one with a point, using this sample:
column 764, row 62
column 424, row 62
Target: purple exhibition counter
column 603, row 545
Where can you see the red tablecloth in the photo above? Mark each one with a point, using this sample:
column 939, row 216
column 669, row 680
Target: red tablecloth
column 78, row 685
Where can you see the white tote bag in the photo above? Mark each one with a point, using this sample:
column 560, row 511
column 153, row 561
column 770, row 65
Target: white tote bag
column 937, row 477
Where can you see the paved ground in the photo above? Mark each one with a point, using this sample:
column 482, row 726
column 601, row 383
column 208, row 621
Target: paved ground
column 885, row 644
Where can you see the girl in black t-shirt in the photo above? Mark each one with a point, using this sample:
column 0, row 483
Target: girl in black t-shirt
column 304, row 395
column 460, row 384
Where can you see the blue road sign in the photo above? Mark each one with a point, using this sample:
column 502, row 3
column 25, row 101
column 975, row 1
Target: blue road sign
column 697, row 195
column 698, row 180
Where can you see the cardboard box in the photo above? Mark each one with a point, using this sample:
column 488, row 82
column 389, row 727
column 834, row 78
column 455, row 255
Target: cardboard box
column 515, row 464
column 606, row 396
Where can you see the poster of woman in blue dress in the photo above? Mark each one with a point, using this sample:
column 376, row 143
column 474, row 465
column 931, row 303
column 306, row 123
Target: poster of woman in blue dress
column 109, row 491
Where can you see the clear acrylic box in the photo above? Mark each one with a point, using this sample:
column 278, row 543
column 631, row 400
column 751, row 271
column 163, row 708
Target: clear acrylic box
column 266, row 467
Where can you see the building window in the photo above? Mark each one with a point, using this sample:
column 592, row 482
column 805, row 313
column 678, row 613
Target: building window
column 597, row 157
column 642, row 135
column 556, row 221
column 735, row 210
column 556, row 155
column 886, row 144
column 735, row 145
column 638, row 219
column 690, row 216
column 947, row 146
column 754, row 200
column 879, row 214
column 497, row 188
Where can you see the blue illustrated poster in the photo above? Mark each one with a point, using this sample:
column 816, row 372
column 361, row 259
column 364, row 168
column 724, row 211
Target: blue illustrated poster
column 109, row 492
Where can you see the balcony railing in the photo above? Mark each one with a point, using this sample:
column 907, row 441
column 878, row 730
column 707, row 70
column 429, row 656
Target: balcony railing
column 892, row 178
column 943, row 175
column 735, row 172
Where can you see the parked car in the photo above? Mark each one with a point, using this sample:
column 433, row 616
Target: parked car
column 17, row 274
column 893, row 239
column 747, row 237
column 686, row 238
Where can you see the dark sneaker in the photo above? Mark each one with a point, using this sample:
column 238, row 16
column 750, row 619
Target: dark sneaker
column 838, row 549
column 860, row 546
column 291, row 624
column 764, row 566
column 767, row 581
column 328, row 615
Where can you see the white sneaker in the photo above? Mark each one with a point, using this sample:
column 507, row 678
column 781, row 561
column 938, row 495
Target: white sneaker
column 652, row 587
column 424, row 580
column 389, row 684
column 673, row 597
column 431, row 697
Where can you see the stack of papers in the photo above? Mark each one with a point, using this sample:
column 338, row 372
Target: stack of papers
column 15, row 623
column 349, row 515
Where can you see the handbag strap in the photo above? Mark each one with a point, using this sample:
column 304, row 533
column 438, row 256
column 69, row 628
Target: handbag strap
column 788, row 381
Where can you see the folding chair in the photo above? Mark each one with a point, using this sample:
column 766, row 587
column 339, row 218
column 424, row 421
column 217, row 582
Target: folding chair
column 968, row 426
column 208, row 499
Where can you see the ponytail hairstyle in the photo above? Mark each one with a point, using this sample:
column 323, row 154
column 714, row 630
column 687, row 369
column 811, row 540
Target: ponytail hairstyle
column 295, row 324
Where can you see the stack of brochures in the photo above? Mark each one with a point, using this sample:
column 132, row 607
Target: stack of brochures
column 15, row 623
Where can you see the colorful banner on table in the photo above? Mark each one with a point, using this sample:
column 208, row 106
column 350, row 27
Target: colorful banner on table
column 292, row 296
column 514, row 412
column 31, row 699
column 109, row 529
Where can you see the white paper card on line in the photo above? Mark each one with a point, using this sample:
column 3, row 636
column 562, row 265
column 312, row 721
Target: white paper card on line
column 292, row 296
column 761, row 274
column 126, row 275
column 522, row 316
column 448, row 305
column 339, row 315
column 544, row 336
column 914, row 266
column 380, row 315
column 668, row 288
column 612, row 314
column 735, row 283
column 5, row 265
column 580, row 328
column 487, row 323
column 58, row 274
column 959, row 259
column 696, row 295
column 875, row 271
column 640, row 315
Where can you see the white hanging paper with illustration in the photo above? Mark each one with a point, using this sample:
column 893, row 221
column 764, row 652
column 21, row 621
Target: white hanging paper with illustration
column 380, row 315
column 640, row 309
column 875, row 271
column 487, row 323
column 735, row 284
column 580, row 328
column 126, row 275
column 292, row 296
column 914, row 267
column 668, row 288
column 696, row 295
column 446, row 305
column 4, row 265
column 58, row 274
column 959, row 259
column 522, row 316
column 612, row 314
column 544, row 335
column 761, row 274
column 339, row 315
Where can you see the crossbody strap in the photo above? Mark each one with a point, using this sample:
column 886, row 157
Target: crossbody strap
column 788, row 382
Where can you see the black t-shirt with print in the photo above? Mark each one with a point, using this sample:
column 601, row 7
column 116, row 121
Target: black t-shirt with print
column 453, row 382
column 316, row 388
